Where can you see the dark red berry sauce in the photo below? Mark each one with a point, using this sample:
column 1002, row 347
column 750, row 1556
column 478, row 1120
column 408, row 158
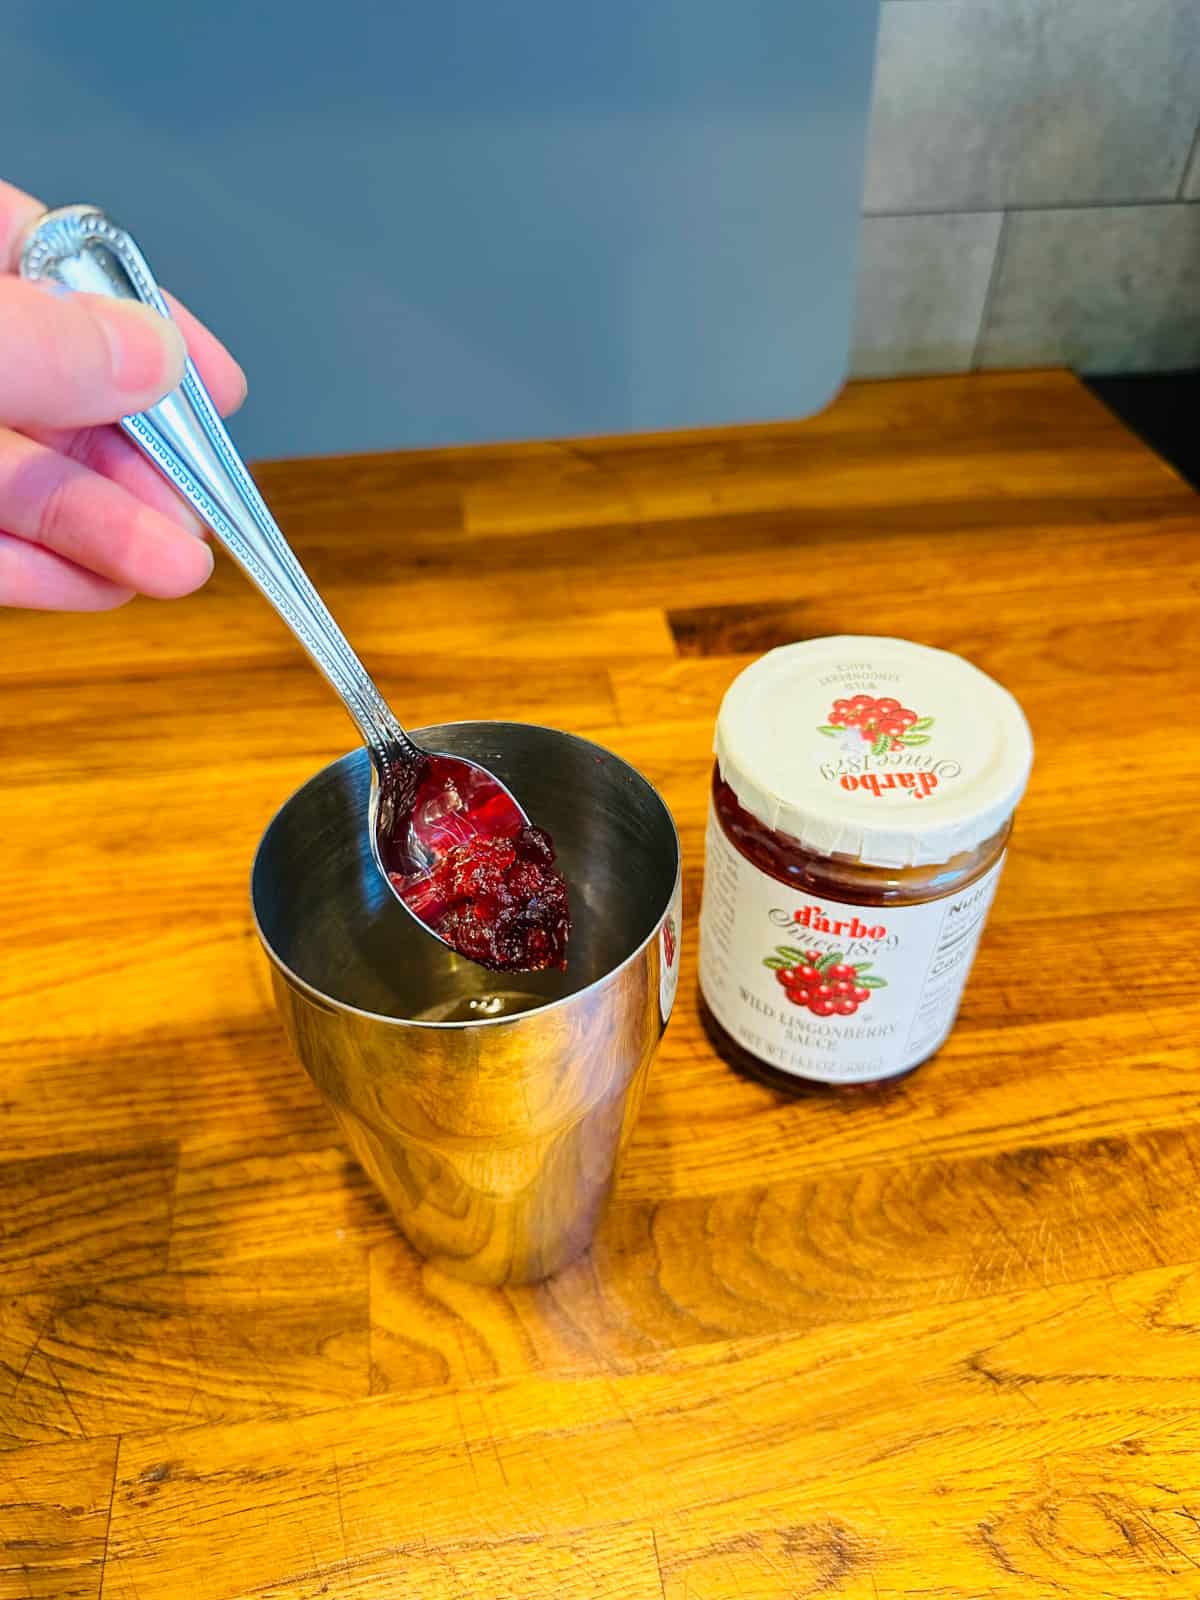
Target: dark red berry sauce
column 499, row 900
column 834, row 878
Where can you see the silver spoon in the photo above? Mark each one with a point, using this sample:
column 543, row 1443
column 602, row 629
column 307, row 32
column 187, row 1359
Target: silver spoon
column 422, row 803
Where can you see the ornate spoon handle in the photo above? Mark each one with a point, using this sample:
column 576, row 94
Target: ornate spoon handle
column 186, row 440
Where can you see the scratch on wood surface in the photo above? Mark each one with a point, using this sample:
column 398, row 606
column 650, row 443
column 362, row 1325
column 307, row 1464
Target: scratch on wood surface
column 662, row 1582
column 337, row 1487
column 42, row 1332
column 1160, row 1535
column 491, row 1438
column 108, row 1521
column 53, row 1370
column 466, row 1443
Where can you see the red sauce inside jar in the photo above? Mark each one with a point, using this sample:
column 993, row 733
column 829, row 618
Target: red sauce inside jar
column 842, row 881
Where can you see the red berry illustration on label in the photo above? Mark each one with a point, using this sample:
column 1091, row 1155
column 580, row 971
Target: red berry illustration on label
column 882, row 723
column 825, row 984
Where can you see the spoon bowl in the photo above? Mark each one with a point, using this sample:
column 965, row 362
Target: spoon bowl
column 422, row 810
column 423, row 804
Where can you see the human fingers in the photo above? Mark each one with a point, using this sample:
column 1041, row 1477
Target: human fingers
column 53, row 501
column 75, row 359
column 107, row 451
column 223, row 377
column 17, row 211
column 36, row 578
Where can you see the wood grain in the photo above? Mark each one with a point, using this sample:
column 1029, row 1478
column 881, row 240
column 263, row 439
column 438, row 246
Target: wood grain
column 54, row 1518
column 941, row 1344
column 996, row 1416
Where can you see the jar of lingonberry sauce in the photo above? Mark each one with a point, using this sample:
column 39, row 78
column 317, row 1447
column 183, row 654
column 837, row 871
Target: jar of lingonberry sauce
column 862, row 801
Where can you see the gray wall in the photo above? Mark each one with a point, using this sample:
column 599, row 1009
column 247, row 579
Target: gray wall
column 426, row 221
column 1033, row 180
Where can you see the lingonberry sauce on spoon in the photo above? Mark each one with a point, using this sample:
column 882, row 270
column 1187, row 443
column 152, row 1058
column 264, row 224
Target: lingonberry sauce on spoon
column 498, row 900
column 464, row 858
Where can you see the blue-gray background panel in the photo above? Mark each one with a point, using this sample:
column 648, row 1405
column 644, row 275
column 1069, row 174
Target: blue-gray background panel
column 472, row 219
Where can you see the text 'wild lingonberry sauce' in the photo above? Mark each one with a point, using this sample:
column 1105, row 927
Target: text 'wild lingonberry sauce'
column 862, row 801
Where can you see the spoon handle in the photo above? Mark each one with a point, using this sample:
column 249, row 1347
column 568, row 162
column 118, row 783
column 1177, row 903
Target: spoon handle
column 184, row 437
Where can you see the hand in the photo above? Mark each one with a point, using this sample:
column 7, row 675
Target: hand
column 85, row 521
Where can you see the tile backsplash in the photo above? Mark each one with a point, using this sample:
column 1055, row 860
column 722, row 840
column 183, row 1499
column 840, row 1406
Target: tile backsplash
column 1033, row 187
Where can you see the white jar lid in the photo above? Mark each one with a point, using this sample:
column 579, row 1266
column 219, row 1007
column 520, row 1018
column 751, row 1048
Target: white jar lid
column 935, row 769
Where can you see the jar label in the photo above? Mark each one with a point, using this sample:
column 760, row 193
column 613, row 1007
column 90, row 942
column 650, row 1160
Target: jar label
column 668, row 954
column 832, row 992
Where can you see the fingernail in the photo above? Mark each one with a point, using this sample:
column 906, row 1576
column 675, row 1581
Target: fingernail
column 171, row 563
column 200, row 581
column 52, row 286
column 147, row 350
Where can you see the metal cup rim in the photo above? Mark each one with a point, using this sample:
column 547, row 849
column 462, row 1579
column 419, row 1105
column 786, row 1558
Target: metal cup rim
column 329, row 1002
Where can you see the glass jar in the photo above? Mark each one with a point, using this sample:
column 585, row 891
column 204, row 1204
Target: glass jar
column 862, row 802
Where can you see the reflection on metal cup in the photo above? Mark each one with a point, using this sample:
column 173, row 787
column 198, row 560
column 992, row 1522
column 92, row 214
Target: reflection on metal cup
column 490, row 1109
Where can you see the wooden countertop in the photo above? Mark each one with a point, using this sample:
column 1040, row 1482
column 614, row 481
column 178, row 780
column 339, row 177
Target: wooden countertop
column 941, row 1345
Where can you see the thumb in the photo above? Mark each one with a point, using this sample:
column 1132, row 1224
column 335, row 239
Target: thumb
column 73, row 360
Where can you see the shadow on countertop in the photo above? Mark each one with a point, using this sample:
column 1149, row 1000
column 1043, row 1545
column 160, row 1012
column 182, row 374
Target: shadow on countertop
column 1163, row 408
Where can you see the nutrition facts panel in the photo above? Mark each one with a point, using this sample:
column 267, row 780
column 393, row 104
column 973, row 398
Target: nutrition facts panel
column 950, row 961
